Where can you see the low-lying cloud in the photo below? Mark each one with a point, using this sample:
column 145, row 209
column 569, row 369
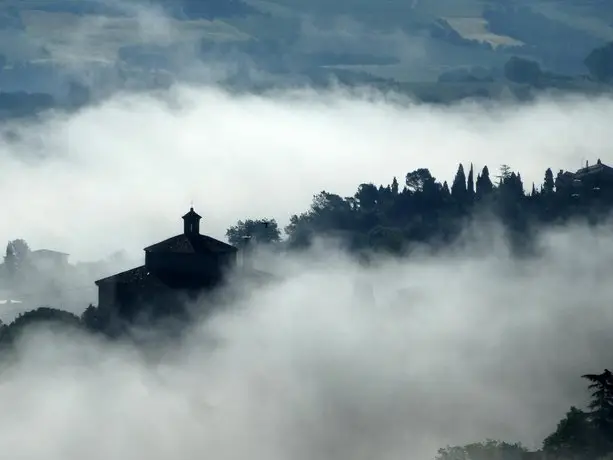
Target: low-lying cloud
column 456, row 348
column 120, row 174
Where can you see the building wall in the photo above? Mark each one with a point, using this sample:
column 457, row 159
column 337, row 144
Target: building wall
column 106, row 294
column 136, row 302
column 601, row 179
column 188, row 274
column 131, row 301
column 196, row 264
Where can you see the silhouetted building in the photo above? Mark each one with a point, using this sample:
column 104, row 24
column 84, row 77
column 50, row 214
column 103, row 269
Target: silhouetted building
column 589, row 179
column 599, row 170
column 176, row 270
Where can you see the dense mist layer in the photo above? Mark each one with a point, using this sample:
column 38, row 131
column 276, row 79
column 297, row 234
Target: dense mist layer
column 119, row 175
column 454, row 348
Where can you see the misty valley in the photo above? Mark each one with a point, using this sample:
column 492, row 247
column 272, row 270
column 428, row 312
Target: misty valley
column 290, row 229
column 190, row 278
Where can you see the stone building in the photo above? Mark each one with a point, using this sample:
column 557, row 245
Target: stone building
column 591, row 179
column 176, row 271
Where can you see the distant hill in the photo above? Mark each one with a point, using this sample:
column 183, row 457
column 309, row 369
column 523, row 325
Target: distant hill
column 429, row 46
column 207, row 9
column 183, row 9
column 78, row 7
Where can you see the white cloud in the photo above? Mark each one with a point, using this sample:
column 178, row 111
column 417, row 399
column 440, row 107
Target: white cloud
column 458, row 348
column 307, row 368
column 120, row 175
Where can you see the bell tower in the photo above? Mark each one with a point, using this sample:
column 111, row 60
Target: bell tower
column 191, row 222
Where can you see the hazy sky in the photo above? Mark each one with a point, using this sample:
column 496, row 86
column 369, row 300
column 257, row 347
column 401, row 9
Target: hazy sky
column 120, row 175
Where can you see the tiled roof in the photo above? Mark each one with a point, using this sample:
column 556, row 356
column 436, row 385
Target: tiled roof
column 192, row 214
column 144, row 278
column 141, row 275
column 191, row 244
column 134, row 275
column 598, row 167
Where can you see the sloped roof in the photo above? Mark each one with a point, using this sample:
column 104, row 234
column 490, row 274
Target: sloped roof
column 191, row 244
column 598, row 167
column 129, row 276
column 143, row 277
column 192, row 214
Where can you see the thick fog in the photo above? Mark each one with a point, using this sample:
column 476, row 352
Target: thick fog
column 120, row 175
column 452, row 348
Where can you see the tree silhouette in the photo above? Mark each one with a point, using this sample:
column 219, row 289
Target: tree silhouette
column 470, row 184
column 418, row 179
column 484, row 184
column 394, row 186
column 53, row 319
column 548, row 184
column 505, row 173
column 367, row 196
column 574, row 436
column 458, row 187
column 262, row 230
column 601, row 405
column 488, row 450
column 16, row 258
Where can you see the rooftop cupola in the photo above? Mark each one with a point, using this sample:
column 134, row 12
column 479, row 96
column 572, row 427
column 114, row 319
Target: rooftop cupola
column 191, row 223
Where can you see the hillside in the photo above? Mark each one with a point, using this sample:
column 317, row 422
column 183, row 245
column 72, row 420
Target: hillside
column 151, row 42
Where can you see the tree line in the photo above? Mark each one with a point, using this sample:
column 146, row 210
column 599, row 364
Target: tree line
column 393, row 218
column 581, row 434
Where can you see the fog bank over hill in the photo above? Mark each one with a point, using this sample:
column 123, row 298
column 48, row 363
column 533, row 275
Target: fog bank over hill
column 479, row 326
column 124, row 171
column 306, row 368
